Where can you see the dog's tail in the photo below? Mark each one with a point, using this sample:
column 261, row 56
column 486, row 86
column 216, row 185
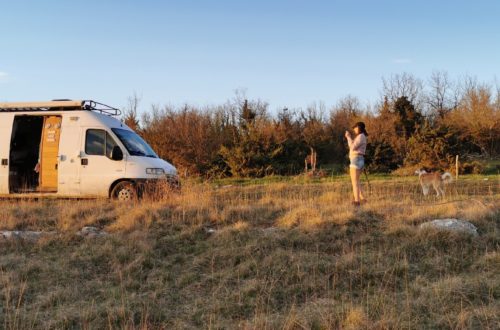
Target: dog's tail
column 446, row 177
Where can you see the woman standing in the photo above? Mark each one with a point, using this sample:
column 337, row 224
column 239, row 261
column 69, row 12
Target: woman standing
column 357, row 148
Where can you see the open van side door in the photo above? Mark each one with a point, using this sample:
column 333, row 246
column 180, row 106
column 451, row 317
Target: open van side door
column 5, row 133
column 69, row 156
column 49, row 153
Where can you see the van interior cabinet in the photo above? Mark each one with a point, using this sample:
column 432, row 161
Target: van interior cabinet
column 49, row 153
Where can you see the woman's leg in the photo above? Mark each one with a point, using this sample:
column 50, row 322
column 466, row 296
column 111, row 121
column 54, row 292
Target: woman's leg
column 358, row 182
column 354, row 181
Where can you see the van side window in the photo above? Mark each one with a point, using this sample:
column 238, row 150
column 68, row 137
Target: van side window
column 98, row 142
column 94, row 142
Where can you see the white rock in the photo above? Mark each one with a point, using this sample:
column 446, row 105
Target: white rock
column 27, row 235
column 210, row 230
column 89, row 231
column 269, row 230
column 451, row 224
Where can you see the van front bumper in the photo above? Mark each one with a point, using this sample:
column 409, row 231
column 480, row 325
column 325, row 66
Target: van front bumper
column 158, row 186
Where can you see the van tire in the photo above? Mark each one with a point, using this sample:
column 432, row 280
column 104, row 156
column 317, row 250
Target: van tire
column 124, row 191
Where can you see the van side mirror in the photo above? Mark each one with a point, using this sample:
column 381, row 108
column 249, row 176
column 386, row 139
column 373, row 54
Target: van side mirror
column 116, row 153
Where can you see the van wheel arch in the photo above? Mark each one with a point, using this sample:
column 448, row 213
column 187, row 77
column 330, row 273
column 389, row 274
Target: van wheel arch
column 122, row 181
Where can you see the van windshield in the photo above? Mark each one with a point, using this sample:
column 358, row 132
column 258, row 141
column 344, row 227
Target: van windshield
column 135, row 145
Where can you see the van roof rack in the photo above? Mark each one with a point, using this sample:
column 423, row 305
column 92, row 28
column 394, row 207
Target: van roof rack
column 60, row 105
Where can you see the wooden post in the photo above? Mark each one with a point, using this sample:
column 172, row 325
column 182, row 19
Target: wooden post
column 313, row 160
column 310, row 159
column 456, row 167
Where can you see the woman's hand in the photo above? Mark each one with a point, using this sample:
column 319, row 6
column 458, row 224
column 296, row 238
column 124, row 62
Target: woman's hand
column 347, row 135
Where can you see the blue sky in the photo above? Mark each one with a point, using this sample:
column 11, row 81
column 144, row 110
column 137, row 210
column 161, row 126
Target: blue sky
column 288, row 53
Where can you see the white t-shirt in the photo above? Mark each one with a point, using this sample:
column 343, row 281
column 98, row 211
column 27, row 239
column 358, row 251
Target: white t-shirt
column 357, row 146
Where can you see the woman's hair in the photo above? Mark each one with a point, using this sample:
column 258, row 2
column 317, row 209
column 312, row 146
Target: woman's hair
column 361, row 127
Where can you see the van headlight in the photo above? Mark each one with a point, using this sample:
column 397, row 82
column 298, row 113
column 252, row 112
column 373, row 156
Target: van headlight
column 155, row 171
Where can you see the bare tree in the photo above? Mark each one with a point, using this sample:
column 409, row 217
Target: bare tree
column 477, row 116
column 350, row 105
column 497, row 96
column 444, row 95
column 130, row 112
column 313, row 125
column 314, row 113
column 404, row 85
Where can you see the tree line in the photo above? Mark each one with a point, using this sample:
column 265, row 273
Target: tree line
column 415, row 123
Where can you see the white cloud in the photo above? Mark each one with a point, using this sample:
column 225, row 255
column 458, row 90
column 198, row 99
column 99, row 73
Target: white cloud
column 3, row 76
column 402, row 60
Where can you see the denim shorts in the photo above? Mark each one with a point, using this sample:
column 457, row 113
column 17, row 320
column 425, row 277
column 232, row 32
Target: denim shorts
column 357, row 162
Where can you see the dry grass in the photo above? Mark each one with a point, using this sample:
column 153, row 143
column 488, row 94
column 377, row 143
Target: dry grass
column 277, row 256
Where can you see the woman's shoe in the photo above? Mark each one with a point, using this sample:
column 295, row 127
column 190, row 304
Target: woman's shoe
column 356, row 204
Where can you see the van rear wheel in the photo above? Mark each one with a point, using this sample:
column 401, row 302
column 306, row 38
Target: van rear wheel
column 124, row 191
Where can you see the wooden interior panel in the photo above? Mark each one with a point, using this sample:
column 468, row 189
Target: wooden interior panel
column 49, row 153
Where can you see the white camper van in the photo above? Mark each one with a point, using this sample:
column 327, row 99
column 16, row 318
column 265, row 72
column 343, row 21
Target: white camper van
column 71, row 148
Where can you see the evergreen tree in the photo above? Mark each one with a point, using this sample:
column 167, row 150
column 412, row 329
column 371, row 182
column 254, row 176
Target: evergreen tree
column 409, row 117
column 435, row 148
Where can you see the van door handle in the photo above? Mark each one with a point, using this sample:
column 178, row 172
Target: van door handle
column 84, row 161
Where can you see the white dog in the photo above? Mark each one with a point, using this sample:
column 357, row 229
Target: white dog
column 433, row 179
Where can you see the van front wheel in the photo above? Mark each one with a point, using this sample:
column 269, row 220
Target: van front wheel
column 124, row 191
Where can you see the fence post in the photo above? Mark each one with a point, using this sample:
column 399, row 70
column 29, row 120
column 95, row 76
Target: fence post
column 456, row 168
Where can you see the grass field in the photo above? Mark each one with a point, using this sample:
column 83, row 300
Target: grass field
column 267, row 254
